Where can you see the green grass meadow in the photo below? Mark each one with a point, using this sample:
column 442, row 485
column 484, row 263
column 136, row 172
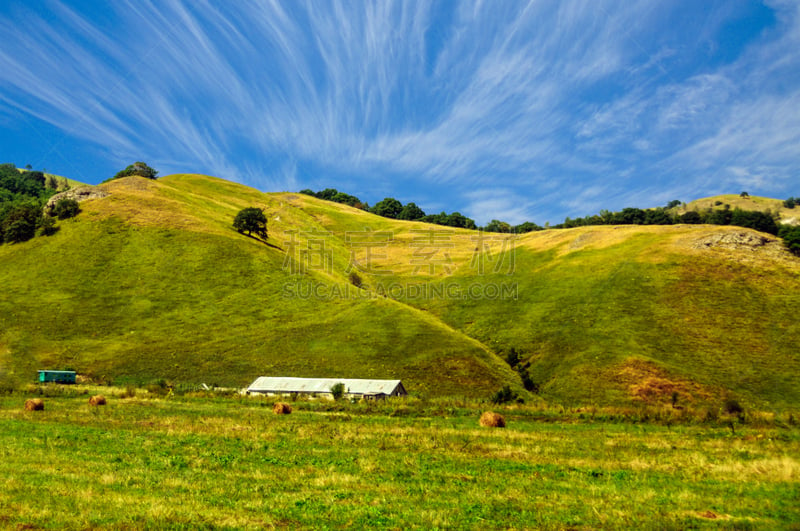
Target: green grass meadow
column 211, row 462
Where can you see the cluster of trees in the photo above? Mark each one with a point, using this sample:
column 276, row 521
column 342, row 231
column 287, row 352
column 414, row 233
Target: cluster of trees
column 23, row 195
column 137, row 168
column 22, row 185
column 791, row 238
column 761, row 221
column 501, row 226
column 394, row 209
column 332, row 194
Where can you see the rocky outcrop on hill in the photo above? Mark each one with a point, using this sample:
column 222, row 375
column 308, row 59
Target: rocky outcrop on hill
column 81, row 193
column 734, row 240
column 747, row 246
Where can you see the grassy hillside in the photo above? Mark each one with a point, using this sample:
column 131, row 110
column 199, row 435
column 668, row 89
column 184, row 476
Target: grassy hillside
column 790, row 216
column 152, row 282
column 633, row 314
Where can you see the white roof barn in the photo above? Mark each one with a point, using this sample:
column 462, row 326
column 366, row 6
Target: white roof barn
column 317, row 386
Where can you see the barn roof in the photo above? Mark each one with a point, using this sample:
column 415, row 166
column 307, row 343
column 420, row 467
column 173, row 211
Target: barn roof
column 272, row 384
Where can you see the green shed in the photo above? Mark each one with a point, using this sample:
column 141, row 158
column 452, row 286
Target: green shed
column 62, row 377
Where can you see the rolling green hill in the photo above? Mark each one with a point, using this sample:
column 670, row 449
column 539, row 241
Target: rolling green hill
column 152, row 282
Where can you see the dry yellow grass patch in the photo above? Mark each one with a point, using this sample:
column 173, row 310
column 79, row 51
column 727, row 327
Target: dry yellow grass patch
column 185, row 202
column 744, row 203
column 711, row 515
column 650, row 384
column 432, row 251
column 783, row 468
column 136, row 201
column 109, row 479
column 399, row 245
column 592, row 237
column 332, row 478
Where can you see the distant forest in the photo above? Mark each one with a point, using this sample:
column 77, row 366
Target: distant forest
column 394, row 209
column 23, row 194
column 667, row 215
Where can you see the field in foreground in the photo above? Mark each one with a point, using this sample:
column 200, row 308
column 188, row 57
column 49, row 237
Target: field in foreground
column 214, row 462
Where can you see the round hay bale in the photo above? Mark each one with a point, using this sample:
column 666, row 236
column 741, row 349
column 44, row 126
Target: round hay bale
column 97, row 400
column 490, row 419
column 34, row 404
column 281, row 408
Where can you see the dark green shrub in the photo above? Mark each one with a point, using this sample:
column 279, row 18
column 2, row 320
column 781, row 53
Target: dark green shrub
column 527, row 381
column 512, row 358
column 505, row 396
column 129, row 392
column 791, row 238
column 732, row 407
column 19, row 230
column 18, row 222
column 355, row 279
column 337, row 390
column 159, row 388
column 47, row 226
column 7, row 386
column 66, row 208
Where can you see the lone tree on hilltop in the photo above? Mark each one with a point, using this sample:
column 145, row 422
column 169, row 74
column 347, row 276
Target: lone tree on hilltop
column 251, row 220
column 137, row 168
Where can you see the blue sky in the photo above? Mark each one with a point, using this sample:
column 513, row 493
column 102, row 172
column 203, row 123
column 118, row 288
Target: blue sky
column 498, row 109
